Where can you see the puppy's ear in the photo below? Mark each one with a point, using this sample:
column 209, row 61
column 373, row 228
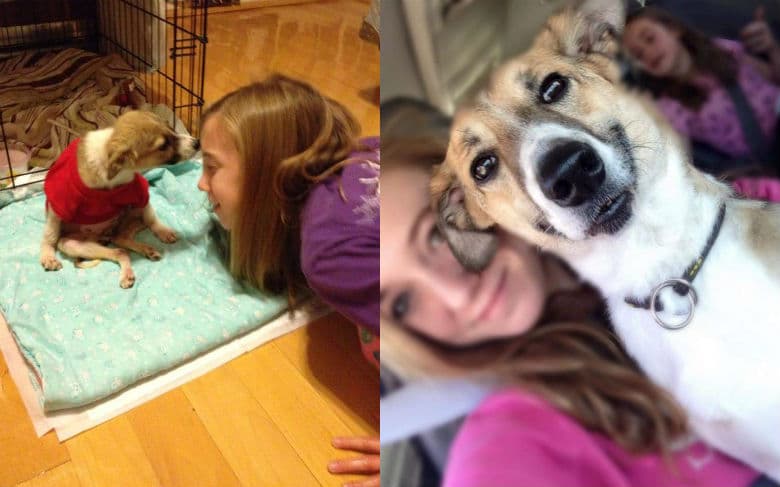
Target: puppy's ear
column 119, row 157
column 598, row 27
column 474, row 248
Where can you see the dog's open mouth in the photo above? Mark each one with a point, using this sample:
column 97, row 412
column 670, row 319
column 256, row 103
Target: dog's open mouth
column 612, row 214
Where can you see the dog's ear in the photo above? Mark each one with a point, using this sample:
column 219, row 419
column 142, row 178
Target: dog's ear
column 119, row 157
column 602, row 21
column 474, row 248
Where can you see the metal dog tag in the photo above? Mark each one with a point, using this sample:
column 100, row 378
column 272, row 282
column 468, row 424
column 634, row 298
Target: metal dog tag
column 692, row 298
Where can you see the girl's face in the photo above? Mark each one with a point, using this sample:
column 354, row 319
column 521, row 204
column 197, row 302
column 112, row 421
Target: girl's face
column 656, row 48
column 222, row 171
column 425, row 288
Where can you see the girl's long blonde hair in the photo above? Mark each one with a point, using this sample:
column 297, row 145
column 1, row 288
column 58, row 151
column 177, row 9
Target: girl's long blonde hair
column 573, row 363
column 289, row 138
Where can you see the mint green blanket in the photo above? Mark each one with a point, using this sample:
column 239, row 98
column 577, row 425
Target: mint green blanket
column 85, row 337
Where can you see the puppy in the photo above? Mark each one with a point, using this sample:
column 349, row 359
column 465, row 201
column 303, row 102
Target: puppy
column 555, row 150
column 95, row 193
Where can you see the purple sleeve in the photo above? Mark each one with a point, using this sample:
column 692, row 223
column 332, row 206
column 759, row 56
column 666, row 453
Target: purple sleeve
column 732, row 47
column 678, row 115
column 340, row 240
column 513, row 439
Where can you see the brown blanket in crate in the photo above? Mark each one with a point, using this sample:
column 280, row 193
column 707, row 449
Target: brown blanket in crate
column 48, row 98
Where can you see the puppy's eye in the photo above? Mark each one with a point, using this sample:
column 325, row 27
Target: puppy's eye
column 553, row 88
column 483, row 168
column 400, row 306
column 164, row 145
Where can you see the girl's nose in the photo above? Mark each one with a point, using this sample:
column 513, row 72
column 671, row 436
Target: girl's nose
column 446, row 278
column 202, row 184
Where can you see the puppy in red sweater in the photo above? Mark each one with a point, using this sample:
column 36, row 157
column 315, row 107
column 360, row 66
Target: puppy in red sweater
column 95, row 194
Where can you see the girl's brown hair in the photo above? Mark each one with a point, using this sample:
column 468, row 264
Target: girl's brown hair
column 705, row 55
column 289, row 138
column 573, row 363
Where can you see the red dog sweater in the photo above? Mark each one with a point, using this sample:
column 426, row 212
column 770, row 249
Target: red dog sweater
column 74, row 202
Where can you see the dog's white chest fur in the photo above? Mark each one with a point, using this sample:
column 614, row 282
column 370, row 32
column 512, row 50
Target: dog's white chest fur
column 721, row 367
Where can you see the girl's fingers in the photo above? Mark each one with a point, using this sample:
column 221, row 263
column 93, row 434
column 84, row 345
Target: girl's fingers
column 371, row 482
column 359, row 444
column 360, row 465
column 754, row 29
column 759, row 13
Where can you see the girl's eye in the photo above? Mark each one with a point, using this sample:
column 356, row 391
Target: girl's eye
column 400, row 306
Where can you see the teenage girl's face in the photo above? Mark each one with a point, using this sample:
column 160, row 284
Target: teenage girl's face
column 425, row 288
column 222, row 171
column 655, row 47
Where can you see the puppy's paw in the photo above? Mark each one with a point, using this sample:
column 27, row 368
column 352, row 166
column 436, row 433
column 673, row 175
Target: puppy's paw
column 50, row 263
column 152, row 253
column 165, row 234
column 127, row 279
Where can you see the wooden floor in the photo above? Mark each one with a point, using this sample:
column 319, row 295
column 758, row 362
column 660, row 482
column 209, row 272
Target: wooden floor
column 317, row 42
column 266, row 418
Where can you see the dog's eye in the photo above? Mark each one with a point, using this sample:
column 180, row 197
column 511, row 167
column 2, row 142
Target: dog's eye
column 165, row 144
column 484, row 167
column 553, row 88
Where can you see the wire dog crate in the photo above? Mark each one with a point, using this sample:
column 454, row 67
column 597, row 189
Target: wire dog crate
column 69, row 66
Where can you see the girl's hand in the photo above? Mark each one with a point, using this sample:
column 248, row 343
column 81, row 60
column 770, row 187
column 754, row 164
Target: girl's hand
column 757, row 36
column 367, row 464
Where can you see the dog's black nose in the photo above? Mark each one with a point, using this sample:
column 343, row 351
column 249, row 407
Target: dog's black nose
column 196, row 144
column 570, row 173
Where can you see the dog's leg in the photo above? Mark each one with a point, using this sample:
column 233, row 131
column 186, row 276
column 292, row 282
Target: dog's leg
column 162, row 232
column 51, row 234
column 93, row 250
column 126, row 239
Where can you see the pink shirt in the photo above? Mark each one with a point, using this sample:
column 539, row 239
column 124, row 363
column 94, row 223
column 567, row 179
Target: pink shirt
column 514, row 439
column 716, row 123
column 767, row 189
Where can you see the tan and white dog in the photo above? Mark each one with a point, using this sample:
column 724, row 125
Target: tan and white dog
column 95, row 194
column 555, row 150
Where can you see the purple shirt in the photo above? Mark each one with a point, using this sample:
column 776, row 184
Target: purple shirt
column 515, row 439
column 716, row 122
column 340, row 239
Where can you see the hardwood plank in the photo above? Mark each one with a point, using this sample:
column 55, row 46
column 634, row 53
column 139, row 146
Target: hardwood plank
column 318, row 43
column 62, row 476
column 247, row 437
column 111, row 454
column 22, row 454
column 250, row 4
column 327, row 353
column 177, row 444
column 304, row 417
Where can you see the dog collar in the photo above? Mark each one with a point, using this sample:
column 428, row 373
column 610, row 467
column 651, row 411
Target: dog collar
column 683, row 285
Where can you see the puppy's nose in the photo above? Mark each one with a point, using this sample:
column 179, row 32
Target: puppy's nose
column 570, row 173
column 196, row 145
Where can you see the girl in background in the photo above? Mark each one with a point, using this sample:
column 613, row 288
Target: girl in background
column 699, row 81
